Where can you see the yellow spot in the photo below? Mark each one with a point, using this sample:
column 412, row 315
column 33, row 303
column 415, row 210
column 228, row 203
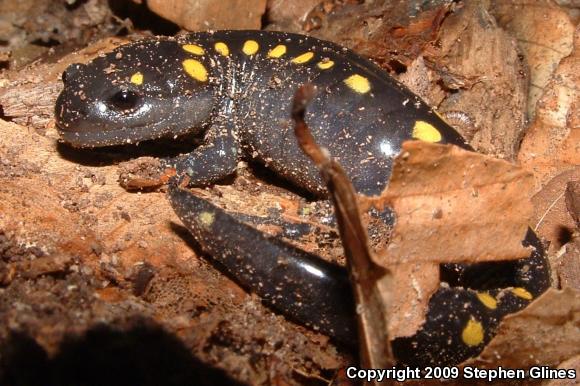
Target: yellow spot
column 522, row 293
column 325, row 64
column 358, row 83
column 222, row 48
column 137, row 78
column 206, row 219
column 487, row 300
column 472, row 334
column 301, row 59
column 195, row 69
column 277, row 51
column 250, row 47
column 426, row 132
column 194, row 49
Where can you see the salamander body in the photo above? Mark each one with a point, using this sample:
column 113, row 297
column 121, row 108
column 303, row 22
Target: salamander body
column 234, row 89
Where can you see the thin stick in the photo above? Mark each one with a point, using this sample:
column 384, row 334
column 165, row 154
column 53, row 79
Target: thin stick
column 365, row 275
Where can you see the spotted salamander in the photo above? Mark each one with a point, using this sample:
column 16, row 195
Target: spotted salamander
column 234, row 90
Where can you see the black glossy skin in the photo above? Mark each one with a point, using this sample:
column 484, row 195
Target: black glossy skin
column 317, row 294
column 243, row 108
column 300, row 285
column 243, row 111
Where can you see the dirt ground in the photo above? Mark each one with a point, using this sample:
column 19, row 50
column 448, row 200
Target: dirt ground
column 103, row 285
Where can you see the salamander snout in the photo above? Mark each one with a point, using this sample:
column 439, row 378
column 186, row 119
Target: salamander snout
column 100, row 107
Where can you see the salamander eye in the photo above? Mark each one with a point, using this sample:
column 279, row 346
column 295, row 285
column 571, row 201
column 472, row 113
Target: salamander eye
column 124, row 100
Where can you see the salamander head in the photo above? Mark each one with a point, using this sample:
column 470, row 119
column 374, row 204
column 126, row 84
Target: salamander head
column 137, row 92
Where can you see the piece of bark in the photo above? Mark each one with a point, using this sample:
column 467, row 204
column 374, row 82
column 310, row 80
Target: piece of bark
column 545, row 333
column 143, row 173
column 392, row 33
column 448, row 202
column 201, row 15
column 480, row 62
column 27, row 97
column 545, row 35
column 45, row 266
column 420, row 79
column 550, row 145
column 573, row 200
column 68, row 202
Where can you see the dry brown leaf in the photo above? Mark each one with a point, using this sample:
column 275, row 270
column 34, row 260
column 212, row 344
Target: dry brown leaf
column 388, row 31
column 201, row 15
column 415, row 283
column 545, row 35
column 572, row 363
column 552, row 143
column 448, row 203
column 544, row 333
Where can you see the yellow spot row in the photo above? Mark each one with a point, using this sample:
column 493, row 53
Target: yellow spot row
column 356, row 82
column 491, row 302
column 473, row 332
column 251, row 47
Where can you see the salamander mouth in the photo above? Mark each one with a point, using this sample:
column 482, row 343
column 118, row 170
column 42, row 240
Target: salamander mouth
column 125, row 135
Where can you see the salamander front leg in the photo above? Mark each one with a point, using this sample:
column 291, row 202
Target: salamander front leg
column 298, row 284
column 212, row 161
